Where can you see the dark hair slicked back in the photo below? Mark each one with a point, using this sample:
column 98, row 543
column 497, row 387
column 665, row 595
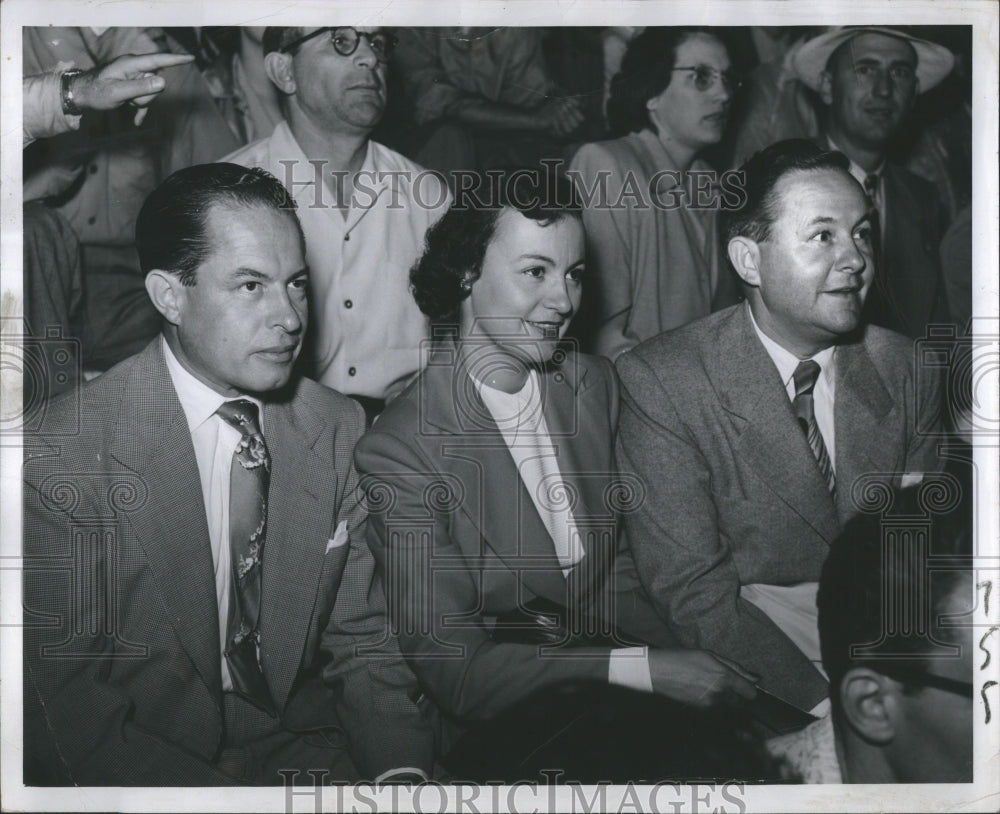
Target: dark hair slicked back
column 171, row 230
column 759, row 176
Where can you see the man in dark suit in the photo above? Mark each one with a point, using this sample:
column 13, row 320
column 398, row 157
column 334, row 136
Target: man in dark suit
column 868, row 78
column 755, row 428
column 201, row 608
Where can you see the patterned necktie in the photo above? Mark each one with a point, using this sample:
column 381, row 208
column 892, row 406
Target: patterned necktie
column 805, row 377
column 248, row 481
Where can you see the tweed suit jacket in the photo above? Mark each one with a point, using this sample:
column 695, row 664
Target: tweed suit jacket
column 734, row 495
column 121, row 646
column 908, row 291
column 455, row 531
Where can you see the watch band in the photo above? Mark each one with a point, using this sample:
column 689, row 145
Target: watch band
column 69, row 106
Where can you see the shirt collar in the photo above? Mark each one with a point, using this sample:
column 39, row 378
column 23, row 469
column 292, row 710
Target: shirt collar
column 858, row 172
column 284, row 144
column 785, row 360
column 198, row 399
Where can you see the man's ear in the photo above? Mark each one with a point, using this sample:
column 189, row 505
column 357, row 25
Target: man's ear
column 744, row 254
column 870, row 703
column 278, row 68
column 826, row 87
column 168, row 294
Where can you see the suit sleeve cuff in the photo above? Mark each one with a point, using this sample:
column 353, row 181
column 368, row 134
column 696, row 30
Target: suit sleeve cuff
column 629, row 667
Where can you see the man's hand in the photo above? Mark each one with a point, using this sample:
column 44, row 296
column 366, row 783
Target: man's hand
column 128, row 78
column 560, row 116
column 699, row 679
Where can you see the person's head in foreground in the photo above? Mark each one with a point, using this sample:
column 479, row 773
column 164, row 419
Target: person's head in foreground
column 802, row 245
column 223, row 254
column 897, row 644
column 509, row 274
column 679, row 83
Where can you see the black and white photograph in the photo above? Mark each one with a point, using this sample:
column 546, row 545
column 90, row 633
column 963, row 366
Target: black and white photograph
column 500, row 406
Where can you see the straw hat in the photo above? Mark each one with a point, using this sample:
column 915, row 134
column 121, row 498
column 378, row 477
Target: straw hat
column 934, row 62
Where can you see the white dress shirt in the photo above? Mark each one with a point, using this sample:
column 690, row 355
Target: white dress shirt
column 366, row 328
column 521, row 421
column 215, row 441
column 793, row 607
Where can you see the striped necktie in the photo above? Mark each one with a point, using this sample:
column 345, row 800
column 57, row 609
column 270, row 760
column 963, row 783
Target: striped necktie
column 805, row 377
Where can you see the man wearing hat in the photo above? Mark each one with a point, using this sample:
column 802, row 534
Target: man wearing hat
column 364, row 208
column 868, row 78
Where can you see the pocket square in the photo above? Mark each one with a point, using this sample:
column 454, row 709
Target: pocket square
column 911, row 479
column 340, row 537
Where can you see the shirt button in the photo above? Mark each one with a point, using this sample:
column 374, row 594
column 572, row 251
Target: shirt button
column 92, row 220
column 351, row 371
column 348, row 304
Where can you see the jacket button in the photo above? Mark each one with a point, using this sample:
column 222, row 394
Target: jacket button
column 348, row 304
column 351, row 371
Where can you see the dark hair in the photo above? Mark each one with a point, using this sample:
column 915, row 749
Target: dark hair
column 170, row 232
column 761, row 173
column 276, row 36
column 455, row 246
column 646, row 71
column 875, row 583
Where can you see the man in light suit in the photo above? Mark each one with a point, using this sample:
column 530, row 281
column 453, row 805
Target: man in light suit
column 752, row 465
column 201, row 608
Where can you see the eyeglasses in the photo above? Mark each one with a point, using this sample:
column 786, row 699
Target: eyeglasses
column 903, row 76
column 705, row 77
column 346, row 40
column 920, row 678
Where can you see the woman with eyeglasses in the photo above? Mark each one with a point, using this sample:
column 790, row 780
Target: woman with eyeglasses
column 651, row 203
column 493, row 509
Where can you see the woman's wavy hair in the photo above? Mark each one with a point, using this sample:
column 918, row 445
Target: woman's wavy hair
column 646, row 71
column 455, row 246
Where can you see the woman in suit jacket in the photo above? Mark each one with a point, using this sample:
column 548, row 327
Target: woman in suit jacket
column 492, row 495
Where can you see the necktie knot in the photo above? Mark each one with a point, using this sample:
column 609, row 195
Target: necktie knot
column 242, row 414
column 805, row 377
column 871, row 184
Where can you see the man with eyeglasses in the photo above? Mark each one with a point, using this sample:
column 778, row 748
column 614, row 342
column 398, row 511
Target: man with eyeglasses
column 900, row 669
column 364, row 208
column 868, row 80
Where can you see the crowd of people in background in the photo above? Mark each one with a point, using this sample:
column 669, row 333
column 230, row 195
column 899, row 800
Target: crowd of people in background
column 568, row 393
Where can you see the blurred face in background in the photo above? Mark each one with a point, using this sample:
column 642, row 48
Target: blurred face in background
column 691, row 112
column 344, row 94
column 870, row 85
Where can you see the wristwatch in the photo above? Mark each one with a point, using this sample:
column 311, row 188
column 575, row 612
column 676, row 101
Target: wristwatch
column 69, row 106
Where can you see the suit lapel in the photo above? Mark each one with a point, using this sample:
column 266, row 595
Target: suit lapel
column 572, row 413
column 473, row 450
column 301, row 502
column 153, row 440
column 770, row 441
column 862, row 404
